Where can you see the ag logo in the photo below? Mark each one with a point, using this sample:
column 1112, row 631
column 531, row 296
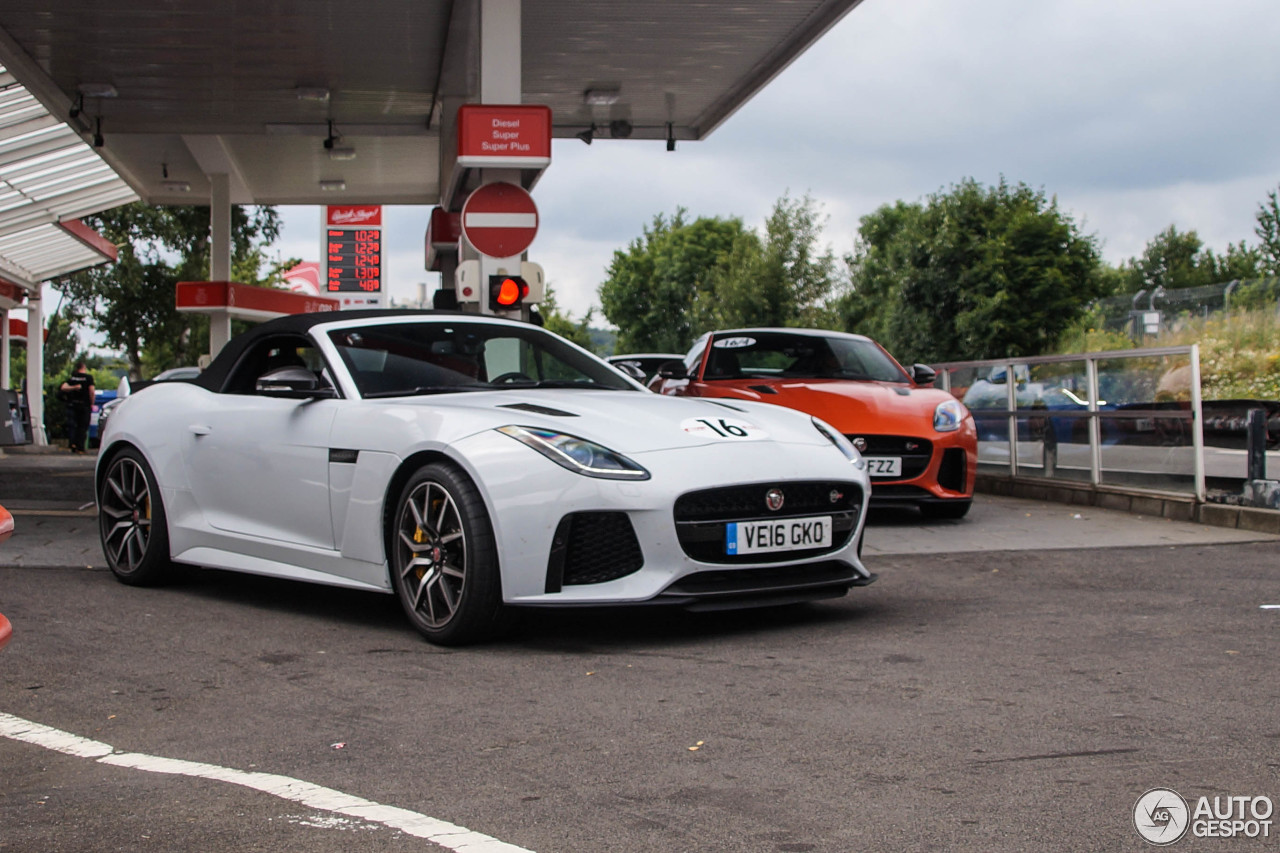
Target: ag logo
column 1161, row 816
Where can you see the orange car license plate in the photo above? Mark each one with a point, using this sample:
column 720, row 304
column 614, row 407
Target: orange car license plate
column 884, row 466
column 783, row 534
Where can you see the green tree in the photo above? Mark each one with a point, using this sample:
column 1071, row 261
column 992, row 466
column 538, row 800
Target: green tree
column 785, row 279
column 62, row 346
column 651, row 287
column 131, row 302
column 976, row 272
column 563, row 324
column 1174, row 259
column 1268, row 231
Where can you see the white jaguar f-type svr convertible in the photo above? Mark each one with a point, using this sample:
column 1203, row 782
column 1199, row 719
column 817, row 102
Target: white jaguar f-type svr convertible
column 470, row 464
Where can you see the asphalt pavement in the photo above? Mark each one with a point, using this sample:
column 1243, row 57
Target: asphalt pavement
column 1014, row 681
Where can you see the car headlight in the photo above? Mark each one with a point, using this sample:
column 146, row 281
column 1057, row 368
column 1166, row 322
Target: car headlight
column 842, row 444
column 948, row 416
column 577, row 454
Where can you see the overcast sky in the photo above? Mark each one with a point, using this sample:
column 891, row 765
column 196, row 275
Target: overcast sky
column 1136, row 114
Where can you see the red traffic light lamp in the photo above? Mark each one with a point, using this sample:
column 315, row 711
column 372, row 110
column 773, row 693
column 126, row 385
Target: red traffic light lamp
column 507, row 292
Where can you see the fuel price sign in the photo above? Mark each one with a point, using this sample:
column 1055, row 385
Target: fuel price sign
column 352, row 246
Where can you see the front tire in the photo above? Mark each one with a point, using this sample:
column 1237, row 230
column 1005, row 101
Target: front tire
column 131, row 521
column 443, row 558
column 953, row 510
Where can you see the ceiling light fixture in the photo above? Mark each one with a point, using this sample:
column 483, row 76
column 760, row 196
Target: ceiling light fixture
column 333, row 186
column 314, row 94
column 619, row 128
column 176, row 186
column 588, row 134
column 97, row 90
column 671, row 138
column 97, row 134
column 601, row 97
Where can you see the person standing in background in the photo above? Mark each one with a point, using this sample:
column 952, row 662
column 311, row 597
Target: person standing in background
column 78, row 391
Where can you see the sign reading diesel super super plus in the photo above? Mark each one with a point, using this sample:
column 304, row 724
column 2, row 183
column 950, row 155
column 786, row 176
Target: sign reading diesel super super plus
column 351, row 245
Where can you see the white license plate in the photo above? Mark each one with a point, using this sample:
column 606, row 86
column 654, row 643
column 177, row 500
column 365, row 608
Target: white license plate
column 783, row 534
column 884, row 466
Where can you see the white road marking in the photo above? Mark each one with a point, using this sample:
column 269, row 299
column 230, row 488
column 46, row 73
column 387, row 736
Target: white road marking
column 440, row 832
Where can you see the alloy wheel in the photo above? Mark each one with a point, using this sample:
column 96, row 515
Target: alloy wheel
column 432, row 553
column 126, row 507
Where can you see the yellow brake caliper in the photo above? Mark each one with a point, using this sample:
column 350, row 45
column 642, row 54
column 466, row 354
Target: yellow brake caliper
column 419, row 536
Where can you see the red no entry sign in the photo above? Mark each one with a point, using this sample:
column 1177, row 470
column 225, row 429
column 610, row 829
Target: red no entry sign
column 500, row 220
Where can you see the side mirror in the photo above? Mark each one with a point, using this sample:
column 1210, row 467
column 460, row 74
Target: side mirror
column 295, row 383
column 672, row 370
column 923, row 374
column 632, row 369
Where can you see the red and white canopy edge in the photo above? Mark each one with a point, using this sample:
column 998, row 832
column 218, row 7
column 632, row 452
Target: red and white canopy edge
column 247, row 302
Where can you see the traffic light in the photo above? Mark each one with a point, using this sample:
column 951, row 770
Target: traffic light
column 507, row 292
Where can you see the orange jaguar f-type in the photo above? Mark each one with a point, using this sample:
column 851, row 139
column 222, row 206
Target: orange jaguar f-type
column 920, row 443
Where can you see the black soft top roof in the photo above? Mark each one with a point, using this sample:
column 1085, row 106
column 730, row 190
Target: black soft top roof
column 215, row 375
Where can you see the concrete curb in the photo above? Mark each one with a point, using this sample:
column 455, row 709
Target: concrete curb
column 1173, row 506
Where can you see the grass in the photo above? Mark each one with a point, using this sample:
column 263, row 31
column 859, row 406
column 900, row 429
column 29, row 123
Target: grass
column 1239, row 350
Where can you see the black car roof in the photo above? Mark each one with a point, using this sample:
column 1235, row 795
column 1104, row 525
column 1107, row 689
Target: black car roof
column 215, row 375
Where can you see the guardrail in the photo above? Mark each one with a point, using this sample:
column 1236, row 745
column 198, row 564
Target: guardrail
column 1126, row 418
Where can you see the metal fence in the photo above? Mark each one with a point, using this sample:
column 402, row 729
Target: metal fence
column 1127, row 418
column 1155, row 310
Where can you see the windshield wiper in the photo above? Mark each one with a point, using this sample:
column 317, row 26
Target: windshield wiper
column 427, row 389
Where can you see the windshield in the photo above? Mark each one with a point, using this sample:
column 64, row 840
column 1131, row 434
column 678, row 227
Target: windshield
column 401, row 359
column 762, row 355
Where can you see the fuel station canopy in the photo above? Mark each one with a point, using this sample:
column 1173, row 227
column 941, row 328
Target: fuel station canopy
column 329, row 101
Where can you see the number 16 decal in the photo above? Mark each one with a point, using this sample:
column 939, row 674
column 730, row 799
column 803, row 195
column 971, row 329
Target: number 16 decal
column 728, row 429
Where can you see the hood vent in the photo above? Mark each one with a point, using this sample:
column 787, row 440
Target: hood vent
column 764, row 389
column 539, row 410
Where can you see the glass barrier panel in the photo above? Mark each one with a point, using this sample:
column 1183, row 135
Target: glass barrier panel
column 1054, row 446
column 1139, row 381
column 961, row 379
column 1148, row 448
column 984, row 392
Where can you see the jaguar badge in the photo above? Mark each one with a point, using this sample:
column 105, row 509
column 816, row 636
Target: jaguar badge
column 773, row 499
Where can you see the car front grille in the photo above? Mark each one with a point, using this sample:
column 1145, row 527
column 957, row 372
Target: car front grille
column 701, row 516
column 592, row 547
column 914, row 452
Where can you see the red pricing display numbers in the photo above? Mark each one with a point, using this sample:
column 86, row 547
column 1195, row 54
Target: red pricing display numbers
column 354, row 260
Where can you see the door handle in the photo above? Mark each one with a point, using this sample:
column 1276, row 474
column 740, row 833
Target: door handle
column 200, row 429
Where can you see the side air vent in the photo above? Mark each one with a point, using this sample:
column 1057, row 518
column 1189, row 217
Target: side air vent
column 592, row 547
column 764, row 389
